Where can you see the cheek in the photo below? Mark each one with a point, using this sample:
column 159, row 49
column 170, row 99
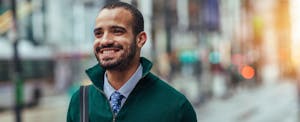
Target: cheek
column 96, row 42
column 128, row 44
column 95, row 45
column 125, row 42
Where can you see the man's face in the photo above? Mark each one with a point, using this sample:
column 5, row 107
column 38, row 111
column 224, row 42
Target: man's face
column 115, row 44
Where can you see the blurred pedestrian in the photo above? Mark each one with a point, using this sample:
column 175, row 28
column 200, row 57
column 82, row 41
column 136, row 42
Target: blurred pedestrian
column 123, row 87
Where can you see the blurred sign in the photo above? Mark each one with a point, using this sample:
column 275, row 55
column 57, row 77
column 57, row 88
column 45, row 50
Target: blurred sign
column 6, row 17
column 5, row 21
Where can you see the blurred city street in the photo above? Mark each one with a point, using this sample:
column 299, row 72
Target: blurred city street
column 276, row 102
column 236, row 60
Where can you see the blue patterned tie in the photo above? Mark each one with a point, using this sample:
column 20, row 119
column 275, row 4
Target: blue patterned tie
column 115, row 100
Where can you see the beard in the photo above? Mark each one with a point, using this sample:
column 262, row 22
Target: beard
column 122, row 62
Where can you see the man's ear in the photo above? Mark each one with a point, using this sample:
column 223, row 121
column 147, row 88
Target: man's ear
column 141, row 39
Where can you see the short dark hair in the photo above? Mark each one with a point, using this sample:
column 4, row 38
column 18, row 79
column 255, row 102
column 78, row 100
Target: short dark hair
column 138, row 19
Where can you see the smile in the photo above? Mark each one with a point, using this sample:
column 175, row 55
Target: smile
column 109, row 50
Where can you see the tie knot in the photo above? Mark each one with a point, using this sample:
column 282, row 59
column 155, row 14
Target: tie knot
column 116, row 96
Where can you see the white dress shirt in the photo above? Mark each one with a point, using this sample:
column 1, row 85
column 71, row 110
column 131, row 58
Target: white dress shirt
column 126, row 89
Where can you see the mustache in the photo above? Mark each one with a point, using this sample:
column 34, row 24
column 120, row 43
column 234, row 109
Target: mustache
column 108, row 46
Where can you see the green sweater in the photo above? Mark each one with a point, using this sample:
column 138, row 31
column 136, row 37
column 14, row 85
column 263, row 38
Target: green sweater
column 152, row 100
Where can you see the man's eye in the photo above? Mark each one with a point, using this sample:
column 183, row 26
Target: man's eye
column 118, row 31
column 97, row 34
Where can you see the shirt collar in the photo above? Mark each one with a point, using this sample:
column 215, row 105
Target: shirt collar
column 126, row 89
column 96, row 73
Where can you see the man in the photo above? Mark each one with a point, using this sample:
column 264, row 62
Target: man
column 124, row 89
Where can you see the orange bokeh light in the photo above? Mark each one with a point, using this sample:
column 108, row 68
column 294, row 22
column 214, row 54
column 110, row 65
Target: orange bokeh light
column 248, row 72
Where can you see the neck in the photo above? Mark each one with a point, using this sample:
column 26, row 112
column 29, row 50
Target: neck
column 118, row 78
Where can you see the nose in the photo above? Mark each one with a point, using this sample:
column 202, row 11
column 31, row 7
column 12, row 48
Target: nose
column 106, row 39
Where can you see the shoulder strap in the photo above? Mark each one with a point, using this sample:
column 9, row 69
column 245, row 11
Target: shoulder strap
column 84, row 104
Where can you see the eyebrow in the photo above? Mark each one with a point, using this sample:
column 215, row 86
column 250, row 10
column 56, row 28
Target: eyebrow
column 119, row 27
column 113, row 27
column 97, row 29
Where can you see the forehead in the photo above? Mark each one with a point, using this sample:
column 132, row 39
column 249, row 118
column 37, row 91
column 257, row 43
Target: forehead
column 114, row 16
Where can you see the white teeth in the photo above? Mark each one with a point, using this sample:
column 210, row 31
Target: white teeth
column 108, row 51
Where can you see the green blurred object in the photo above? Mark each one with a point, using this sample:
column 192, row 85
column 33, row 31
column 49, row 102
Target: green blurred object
column 188, row 57
column 19, row 89
column 214, row 57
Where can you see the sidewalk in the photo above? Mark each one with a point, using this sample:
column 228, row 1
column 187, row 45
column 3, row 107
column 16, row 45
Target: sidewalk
column 51, row 109
column 272, row 103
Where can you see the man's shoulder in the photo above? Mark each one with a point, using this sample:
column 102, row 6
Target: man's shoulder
column 76, row 94
column 165, row 88
column 164, row 93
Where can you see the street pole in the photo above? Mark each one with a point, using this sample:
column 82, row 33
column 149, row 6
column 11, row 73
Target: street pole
column 168, row 25
column 17, row 77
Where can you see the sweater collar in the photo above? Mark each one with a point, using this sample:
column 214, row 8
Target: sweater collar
column 96, row 73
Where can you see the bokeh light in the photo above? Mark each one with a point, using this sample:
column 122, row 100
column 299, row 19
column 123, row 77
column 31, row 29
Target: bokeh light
column 248, row 72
